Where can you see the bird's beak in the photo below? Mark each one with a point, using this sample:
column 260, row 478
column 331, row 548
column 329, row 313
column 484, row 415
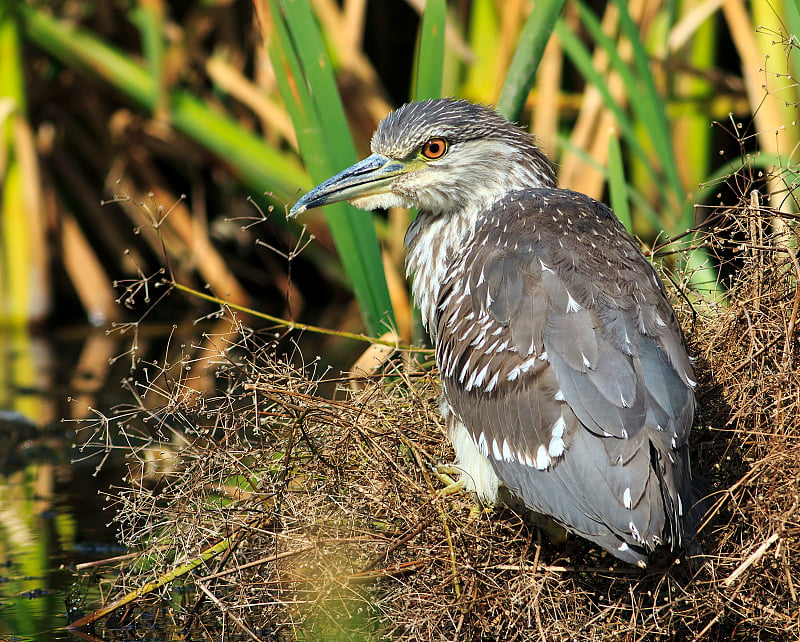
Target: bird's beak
column 371, row 176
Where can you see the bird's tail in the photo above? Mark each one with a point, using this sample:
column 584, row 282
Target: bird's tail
column 699, row 513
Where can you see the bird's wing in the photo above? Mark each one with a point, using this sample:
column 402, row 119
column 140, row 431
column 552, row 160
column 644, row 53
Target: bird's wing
column 555, row 335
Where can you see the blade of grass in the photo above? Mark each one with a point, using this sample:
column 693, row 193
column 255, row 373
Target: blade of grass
column 13, row 300
column 522, row 72
column 180, row 570
column 14, row 251
column 617, row 186
column 430, row 56
column 24, row 287
column 148, row 16
column 792, row 16
column 293, row 325
column 427, row 83
column 315, row 65
column 484, row 32
column 308, row 87
column 691, row 120
column 547, row 112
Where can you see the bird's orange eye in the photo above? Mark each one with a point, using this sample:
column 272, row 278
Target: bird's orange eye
column 434, row 148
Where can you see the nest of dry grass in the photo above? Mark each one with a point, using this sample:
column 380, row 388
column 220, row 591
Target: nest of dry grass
column 338, row 531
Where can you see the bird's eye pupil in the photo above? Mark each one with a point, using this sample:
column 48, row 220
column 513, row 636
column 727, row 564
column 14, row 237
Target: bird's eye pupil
column 434, row 148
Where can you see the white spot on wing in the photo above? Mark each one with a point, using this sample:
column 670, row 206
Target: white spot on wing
column 572, row 304
column 492, row 382
column 471, row 380
column 556, row 447
column 623, row 547
column 634, row 531
column 483, row 447
column 481, row 375
column 496, row 450
column 626, row 498
column 542, row 458
column 545, row 267
column 559, row 396
column 479, row 341
column 521, row 368
column 507, row 454
column 558, row 427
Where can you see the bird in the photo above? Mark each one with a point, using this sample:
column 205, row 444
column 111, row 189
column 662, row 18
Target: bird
column 566, row 382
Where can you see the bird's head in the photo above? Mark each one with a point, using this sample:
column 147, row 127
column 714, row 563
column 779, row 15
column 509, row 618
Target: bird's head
column 440, row 156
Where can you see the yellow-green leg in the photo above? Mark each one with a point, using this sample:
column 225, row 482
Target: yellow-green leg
column 444, row 472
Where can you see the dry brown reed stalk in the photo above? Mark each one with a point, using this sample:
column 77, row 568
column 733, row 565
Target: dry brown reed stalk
column 341, row 533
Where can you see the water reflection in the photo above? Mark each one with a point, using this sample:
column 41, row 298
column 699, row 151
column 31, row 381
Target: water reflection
column 25, row 375
column 41, row 534
column 50, row 511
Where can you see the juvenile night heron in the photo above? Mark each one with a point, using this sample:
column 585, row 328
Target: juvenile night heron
column 564, row 371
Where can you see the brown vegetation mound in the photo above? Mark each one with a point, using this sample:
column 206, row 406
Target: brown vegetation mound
column 338, row 531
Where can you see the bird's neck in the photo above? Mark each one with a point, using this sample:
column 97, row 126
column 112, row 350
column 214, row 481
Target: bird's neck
column 432, row 241
column 435, row 237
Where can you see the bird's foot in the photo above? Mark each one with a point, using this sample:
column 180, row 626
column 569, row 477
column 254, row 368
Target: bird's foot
column 477, row 510
column 444, row 472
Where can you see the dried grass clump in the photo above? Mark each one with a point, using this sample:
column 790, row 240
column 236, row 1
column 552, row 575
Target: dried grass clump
column 749, row 435
column 338, row 530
